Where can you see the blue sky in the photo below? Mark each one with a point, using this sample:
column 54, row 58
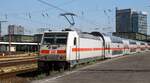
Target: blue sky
column 90, row 13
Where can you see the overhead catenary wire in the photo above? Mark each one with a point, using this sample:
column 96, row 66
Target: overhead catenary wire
column 51, row 5
column 43, row 12
column 62, row 10
column 28, row 15
column 44, row 9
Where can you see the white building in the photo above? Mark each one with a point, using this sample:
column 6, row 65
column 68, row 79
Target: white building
column 16, row 29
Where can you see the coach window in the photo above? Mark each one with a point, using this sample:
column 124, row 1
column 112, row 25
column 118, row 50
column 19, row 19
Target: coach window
column 75, row 41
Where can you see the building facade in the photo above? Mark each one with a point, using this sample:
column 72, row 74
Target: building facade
column 38, row 38
column 139, row 22
column 134, row 36
column 19, row 38
column 131, row 21
column 42, row 30
column 123, row 20
column 15, row 30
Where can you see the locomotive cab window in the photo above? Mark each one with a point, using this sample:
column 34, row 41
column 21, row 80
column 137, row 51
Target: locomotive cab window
column 48, row 41
column 55, row 38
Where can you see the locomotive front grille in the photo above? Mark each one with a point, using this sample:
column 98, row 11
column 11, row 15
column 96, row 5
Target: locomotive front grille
column 52, row 57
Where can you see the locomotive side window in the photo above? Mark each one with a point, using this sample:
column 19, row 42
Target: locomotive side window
column 75, row 41
column 142, row 43
column 132, row 42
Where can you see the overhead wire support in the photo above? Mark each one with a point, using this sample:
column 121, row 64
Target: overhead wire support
column 69, row 14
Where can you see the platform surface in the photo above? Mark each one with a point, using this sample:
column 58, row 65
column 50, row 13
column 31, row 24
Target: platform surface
column 133, row 68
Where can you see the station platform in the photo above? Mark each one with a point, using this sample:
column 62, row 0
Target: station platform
column 133, row 68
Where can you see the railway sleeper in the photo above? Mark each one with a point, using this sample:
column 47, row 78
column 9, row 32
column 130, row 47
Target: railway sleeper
column 17, row 68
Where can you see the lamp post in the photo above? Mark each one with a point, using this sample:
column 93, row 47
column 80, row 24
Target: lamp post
column 1, row 28
column 9, row 38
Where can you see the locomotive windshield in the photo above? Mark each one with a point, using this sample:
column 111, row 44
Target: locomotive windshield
column 55, row 38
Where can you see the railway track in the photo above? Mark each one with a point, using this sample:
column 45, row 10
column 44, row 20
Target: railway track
column 18, row 64
column 17, row 56
column 26, row 74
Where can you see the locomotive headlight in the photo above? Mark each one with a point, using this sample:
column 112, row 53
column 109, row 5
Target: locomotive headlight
column 42, row 58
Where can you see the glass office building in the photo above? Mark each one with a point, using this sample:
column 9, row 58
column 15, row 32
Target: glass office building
column 15, row 29
column 131, row 21
column 123, row 20
column 139, row 22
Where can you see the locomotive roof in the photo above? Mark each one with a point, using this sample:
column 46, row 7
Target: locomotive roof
column 132, row 42
column 88, row 35
column 115, row 39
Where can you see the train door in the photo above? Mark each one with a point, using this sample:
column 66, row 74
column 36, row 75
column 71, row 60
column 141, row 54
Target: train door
column 75, row 43
column 107, row 49
column 126, row 47
column 104, row 50
column 106, row 46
